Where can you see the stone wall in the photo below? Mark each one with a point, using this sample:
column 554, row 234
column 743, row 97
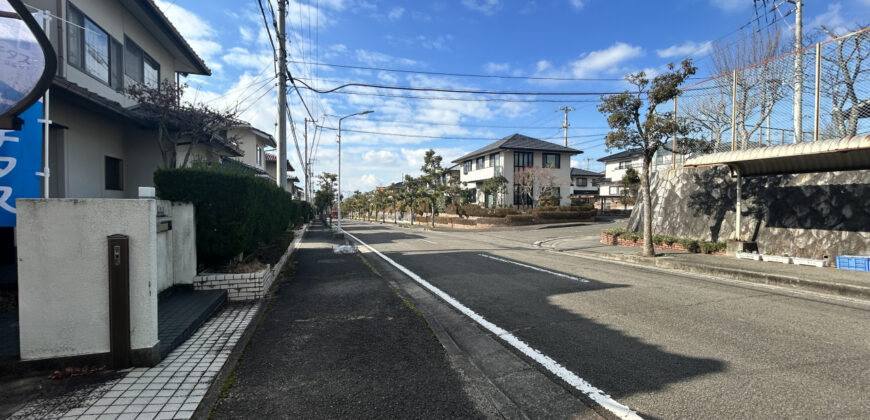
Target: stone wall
column 807, row 215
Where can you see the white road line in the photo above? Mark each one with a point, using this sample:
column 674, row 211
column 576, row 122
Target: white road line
column 535, row 268
column 424, row 240
column 551, row 365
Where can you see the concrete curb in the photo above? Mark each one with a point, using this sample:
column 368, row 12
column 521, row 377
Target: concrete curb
column 210, row 399
column 833, row 288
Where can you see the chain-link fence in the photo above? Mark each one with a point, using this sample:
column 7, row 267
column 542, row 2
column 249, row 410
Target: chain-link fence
column 755, row 105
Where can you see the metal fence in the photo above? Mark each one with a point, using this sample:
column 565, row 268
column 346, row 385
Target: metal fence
column 755, row 105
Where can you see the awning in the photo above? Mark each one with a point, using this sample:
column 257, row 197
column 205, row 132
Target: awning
column 850, row 153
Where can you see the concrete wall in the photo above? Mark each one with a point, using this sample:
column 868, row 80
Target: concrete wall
column 805, row 215
column 183, row 243
column 63, row 274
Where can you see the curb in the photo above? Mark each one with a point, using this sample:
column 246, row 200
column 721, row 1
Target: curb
column 838, row 289
column 210, row 399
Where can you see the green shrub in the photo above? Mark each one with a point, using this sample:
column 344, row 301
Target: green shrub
column 477, row 211
column 632, row 236
column 519, row 219
column 668, row 240
column 616, row 232
column 550, row 200
column 235, row 212
column 690, row 245
column 708, row 247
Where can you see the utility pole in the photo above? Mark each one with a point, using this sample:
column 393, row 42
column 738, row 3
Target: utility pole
column 281, row 65
column 305, row 158
column 588, row 160
column 798, row 71
column 565, row 125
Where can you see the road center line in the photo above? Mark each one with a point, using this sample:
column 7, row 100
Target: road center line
column 535, row 268
column 424, row 240
column 545, row 361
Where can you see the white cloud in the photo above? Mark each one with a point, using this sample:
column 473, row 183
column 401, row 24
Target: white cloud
column 246, row 33
column 368, row 181
column 396, row 13
column 832, row 19
column 380, row 156
column 543, row 65
column 242, row 57
column 606, row 60
column 201, row 36
column 375, row 58
column 688, row 48
column 577, row 4
column 487, row 7
column 496, row 67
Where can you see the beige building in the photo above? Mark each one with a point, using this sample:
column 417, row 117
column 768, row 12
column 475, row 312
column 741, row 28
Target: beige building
column 97, row 146
column 549, row 165
column 610, row 188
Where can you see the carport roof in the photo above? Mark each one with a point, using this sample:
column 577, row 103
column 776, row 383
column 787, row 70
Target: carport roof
column 849, row 153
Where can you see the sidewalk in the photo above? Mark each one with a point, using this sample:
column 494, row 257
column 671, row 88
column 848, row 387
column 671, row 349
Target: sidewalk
column 825, row 280
column 338, row 342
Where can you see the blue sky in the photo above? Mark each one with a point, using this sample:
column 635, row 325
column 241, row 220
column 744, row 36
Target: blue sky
column 579, row 39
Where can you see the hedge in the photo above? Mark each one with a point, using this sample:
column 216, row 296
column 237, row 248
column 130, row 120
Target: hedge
column 691, row 245
column 519, row 218
column 475, row 210
column 235, row 212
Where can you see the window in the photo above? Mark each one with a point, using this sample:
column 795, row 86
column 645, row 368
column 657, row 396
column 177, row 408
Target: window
column 480, row 163
column 614, row 190
column 472, row 195
column 523, row 159
column 521, row 197
column 466, row 167
column 92, row 50
column 551, row 160
column 624, row 164
column 552, row 191
column 581, row 182
column 140, row 66
column 495, row 161
column 114, row 174
column 259, row 155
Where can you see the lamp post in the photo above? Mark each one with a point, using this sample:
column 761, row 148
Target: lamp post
column 339, row 161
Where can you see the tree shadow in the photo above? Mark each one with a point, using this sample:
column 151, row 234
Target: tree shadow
column 520, row 300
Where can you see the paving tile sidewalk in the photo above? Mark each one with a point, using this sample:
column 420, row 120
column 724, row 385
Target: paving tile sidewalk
column 339, row 342
column 171, row 390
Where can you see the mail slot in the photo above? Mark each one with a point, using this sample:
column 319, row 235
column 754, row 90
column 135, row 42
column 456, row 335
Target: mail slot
column 119, row 300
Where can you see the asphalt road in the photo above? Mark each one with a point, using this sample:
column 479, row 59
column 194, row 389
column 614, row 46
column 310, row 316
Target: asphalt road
column 668, row 345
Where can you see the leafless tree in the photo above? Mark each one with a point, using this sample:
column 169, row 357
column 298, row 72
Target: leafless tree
column 531, row 178
column 843, row 68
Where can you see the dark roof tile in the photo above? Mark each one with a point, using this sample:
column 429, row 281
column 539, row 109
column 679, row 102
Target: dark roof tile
column 519, row 142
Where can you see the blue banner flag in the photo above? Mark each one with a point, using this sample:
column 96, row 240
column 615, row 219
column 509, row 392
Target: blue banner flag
column 20, row 160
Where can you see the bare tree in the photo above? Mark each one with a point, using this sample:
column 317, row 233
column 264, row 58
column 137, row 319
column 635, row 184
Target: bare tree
column 180, row 122
column 531, row 181
column 839, row 79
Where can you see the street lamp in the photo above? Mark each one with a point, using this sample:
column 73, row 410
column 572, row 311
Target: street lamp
column 339, row 161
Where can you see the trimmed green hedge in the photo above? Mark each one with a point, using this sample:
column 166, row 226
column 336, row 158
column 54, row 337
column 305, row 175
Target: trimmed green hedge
column 235, row 212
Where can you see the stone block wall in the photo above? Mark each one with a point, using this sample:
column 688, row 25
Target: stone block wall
column 806, row 215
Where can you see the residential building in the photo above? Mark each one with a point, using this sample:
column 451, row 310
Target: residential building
column 271, row 169
column 97, row 145
column 610, row 190
column 584, row 184
column 253, row 143
column 532, row 167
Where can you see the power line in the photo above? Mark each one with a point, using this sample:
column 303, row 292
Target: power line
column 463, row 91
column 266, row 24
column 446, row 98
column 421, row 136
column 473, row 125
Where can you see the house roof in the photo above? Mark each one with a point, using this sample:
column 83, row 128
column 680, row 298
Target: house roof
column 622, row 155
column 519, row 142
column 149, row 7
column 64, row 88
column 271, row 157
column 583, row 172
column 270, row 141
column 230, row 162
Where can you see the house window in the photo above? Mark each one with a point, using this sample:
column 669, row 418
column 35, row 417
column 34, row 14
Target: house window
column 480, row 163
column 521, row 197
column 624, row 164
column 523, row 159
column 614, row 190
column 140, row 66
column 114, row 174
column 466, row 167
column 259, row 155
column 551, row 160
column 495, row 161
column 581, row 182
column 472, row 195
column 92, row 50
column 552, row 191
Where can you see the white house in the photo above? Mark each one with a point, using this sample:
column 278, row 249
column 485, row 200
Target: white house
column 615, row 165
column 547, row 169
column 98, row 148
column 585, row 182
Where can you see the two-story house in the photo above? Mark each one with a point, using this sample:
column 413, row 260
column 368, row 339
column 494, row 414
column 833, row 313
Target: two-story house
column 610, row 188
column 532, row 167
column 272, row 169
column 584, row 184
column 97, row 145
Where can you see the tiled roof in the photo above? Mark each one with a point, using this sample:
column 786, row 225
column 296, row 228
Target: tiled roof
column 583, row 172
column 622, row 155
column 271, row 157
column 519, row 142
